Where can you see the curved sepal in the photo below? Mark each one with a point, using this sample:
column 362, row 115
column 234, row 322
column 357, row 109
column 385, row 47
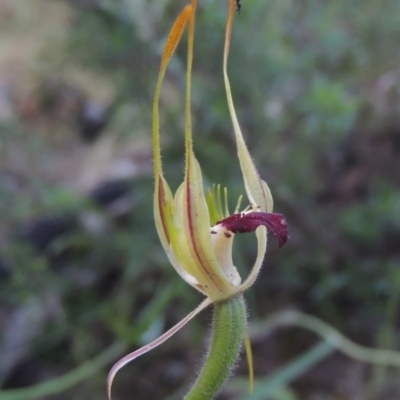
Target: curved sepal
column 261, row 234
column 143, row 350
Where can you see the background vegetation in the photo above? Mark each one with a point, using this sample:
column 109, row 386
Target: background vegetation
column 83, row 278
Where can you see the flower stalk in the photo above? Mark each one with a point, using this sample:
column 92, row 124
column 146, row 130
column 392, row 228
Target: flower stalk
column 228, row 331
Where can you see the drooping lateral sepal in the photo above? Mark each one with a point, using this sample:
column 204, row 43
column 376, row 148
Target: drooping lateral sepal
column 150, row 346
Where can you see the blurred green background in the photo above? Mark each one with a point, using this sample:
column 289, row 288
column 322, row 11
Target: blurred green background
column 83, row 278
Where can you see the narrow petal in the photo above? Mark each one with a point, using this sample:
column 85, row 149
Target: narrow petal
column 143, row 350
column 257, row 190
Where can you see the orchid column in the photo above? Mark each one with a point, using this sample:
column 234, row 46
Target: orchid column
column 197, row 232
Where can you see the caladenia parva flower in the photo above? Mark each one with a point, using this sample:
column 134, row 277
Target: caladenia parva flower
column 197, row 231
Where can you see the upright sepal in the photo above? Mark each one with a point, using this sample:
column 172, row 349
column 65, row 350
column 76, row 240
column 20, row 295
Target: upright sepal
column 257, row 190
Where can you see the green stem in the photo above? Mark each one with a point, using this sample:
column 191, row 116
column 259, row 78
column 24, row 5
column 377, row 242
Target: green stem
column 331, row 335
column 227, row 337
column 68, row 380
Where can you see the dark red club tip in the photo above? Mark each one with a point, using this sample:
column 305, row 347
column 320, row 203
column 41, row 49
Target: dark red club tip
column 242, row 223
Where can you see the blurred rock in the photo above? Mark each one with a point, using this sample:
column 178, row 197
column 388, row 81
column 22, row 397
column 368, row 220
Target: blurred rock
column 92, row 120
column 108, row 192
column 42, row 231
column 24, row 325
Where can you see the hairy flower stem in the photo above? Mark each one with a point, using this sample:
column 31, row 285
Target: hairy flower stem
column 227, row 336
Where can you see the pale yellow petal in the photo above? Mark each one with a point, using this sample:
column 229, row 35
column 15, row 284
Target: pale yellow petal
column 190, row 279
column 192, row 243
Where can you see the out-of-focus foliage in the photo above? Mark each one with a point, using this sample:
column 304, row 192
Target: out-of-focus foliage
column 317, row 89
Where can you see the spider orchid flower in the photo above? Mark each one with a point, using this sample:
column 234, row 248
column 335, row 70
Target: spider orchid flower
column 196, row 232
